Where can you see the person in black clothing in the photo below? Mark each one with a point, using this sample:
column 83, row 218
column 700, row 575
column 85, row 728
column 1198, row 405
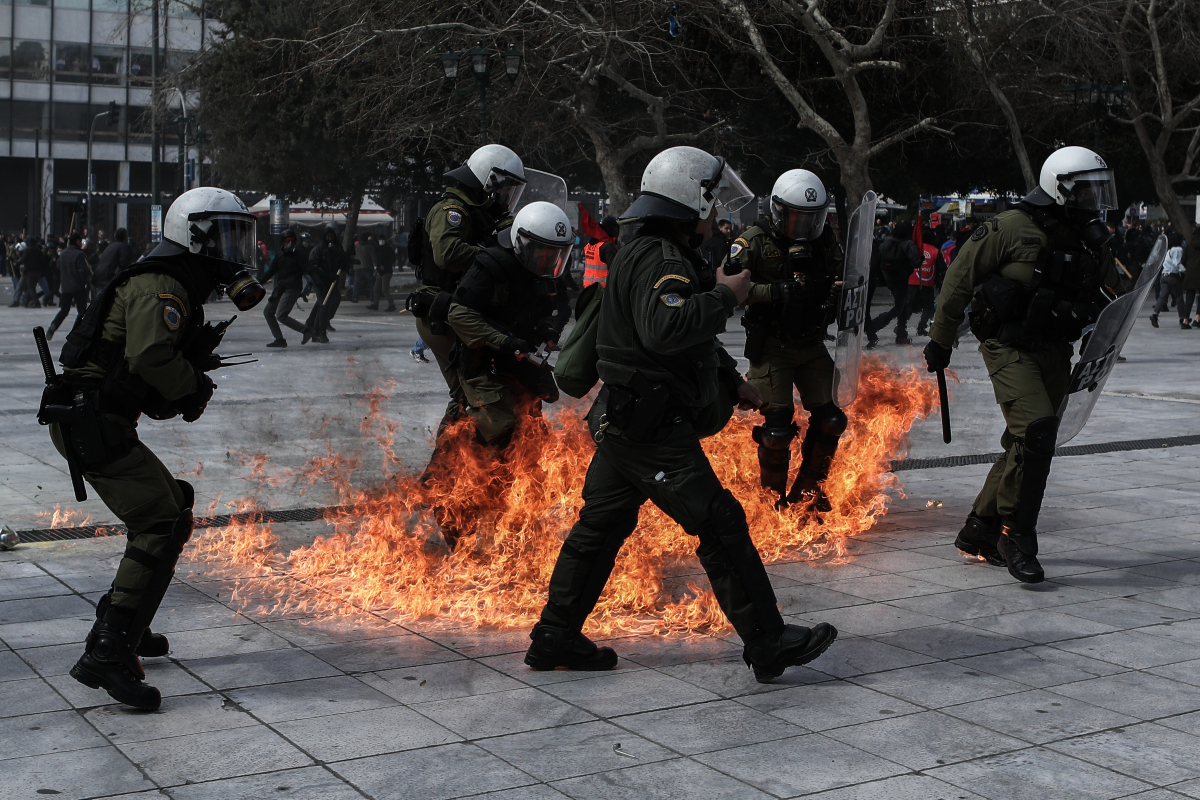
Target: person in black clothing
column 33, row 269
column 324, row 263
column 117, row 257
column 74, row 274
column 716, row 248
column 287, row 268
column 895, row 257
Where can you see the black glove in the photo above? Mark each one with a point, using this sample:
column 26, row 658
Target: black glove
column 192, row 406
column 547, row 333
column 784, row 292
column 937, row 356
column 513, row 346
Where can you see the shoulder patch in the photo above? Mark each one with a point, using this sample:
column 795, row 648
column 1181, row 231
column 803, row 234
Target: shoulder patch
column 454, row 216
column 172, row 317
column 737, row 247
column 168, row 296
column 671, row 252
column 979, row 233
column 666, row 278
column 671, row 300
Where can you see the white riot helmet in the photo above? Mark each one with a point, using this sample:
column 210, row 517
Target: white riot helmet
column 1076, row 177
column 215, row 227
column 496, row 170
column 543, row 239
column 799, row 205
column 683, row 183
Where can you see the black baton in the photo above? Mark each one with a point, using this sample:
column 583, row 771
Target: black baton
column 43, row 348
column 945, row 403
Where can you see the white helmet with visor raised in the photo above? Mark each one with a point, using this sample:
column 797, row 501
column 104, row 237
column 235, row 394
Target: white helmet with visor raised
column 496, row 170
column 684, row 183
column 1077, row 177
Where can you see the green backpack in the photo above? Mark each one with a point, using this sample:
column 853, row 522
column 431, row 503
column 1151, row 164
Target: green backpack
column 575, row 371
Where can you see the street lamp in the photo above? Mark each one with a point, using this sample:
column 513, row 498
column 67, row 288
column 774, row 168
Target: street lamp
column 1102, row 99
column 113, row 114
column 481, row 60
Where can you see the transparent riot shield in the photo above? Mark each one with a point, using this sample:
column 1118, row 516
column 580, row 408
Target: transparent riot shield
column 852, row 303
column 544, row 187
column 1103, row 346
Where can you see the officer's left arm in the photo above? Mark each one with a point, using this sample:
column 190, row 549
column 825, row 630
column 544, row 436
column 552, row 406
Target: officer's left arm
column 475, row 292
column 670, row 315
column 154, row 325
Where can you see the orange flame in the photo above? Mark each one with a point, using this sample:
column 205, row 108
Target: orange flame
column 516, row 508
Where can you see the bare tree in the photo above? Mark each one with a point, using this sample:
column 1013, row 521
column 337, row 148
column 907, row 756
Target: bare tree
column 848, row 62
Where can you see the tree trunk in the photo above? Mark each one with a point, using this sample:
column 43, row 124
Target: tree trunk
column 611, row 170
column 854, row 169
column 352, row 222
column 1162, row 181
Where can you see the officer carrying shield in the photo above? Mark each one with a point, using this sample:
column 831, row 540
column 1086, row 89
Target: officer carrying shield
column 1035, row 278
column 795, row 262
column 478, row 201
column 667, row 383
column 502, row 313
column 142, row 347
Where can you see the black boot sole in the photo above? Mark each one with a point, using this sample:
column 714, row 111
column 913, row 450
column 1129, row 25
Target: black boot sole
column 988, row 554
column 541, row 663
column 93, row 681
column 1023, row 577
column 771, row 672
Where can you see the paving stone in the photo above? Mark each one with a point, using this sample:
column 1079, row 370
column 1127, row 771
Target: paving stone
column 309, row 698
column 938, row 684
column 709, row 726
column 96, row 772
column 192, row 714
column 572, row 750
column 1138, row 694
column 925, row 740
column 215, row 755
column 29, row 696
column 800, row 765
column 47, row 632
column 392, row 652
column 614, row 693
column 40, row 734
column 729, row 677
column 305, row 783
column 858, row 655
column 317, row 632
column 1040, row 666
column 901, row 787
column 228, row 641
column 655, row 651
column 364, row 733
column 13, row 667
column 440, row 681
column 512, row 711
column 1038, row 716
column 41, row 586
column 829, row 705
column 950, row 640
column 432, row 773
column 1035, row 774
column 168, row 677
column 1125, row 612
column 874, row 618
column 660, row 781
column 1148, row 752
column 263, row 667
column 1043, row 625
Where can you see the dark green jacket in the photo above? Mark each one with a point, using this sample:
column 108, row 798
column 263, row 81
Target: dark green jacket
column 657, row 319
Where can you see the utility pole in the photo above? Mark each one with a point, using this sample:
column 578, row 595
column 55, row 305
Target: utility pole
column 154, row 198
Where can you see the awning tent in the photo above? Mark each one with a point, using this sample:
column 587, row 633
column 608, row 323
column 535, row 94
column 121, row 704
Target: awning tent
column 309, row 215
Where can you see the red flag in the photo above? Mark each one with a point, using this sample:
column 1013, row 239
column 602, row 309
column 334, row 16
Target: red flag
column 917, row 235
column 590, row 227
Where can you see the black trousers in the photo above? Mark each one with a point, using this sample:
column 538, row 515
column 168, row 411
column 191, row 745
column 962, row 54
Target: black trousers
column 1173, row 289
column 79, row 298
column 897, row 284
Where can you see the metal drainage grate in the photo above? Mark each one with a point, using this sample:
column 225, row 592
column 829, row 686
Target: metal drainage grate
column 313, row 514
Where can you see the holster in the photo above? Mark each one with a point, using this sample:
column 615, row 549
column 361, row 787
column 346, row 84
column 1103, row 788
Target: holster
column 92, row 438
column 418, row 304
column 756, row 338
column 439, row 313
column 639, row 410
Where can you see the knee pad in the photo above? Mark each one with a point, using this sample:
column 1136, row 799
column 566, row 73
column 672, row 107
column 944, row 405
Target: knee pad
column 1040, row 436
column 828, row 419
column 189, row 493
column 615, row 528
column 729, row 519
column 774, row 438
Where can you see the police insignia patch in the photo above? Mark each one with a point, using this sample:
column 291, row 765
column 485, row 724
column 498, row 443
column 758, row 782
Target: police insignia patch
column 172, row 317
column 979, row 233
column 454, row 217
column 737, row 248
column 671, row 300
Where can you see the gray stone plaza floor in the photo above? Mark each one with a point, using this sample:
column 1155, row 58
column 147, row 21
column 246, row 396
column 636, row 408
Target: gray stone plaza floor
column 949, row 679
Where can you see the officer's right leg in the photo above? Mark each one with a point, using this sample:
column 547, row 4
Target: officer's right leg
column 441, row 345
column 492, row 406
column 773, row 376
column 156, row 508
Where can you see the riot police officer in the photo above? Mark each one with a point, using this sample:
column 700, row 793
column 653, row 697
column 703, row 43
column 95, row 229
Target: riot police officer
column 501, row 314
column 1034, row 276
column 478, row 201
column 667, row 383
column 795, row 261
column 142, row 347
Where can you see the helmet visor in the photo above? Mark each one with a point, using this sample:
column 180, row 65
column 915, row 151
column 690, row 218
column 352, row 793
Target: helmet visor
column 732, row 193
column 230, row 238
column 1095, row 190
column 543, row 259
column 507, row 188
column 798, row 224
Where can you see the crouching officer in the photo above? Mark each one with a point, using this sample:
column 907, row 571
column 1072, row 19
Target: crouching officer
column 502, row 312
column 1034, row 277
column 143, row 347
column 667, row 383
column 479, row 199
column 795, row 264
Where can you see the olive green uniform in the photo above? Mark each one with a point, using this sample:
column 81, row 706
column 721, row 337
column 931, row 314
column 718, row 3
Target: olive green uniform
column 1029, row 381
column 151, row 315
column 457, row 227
column 667, row 383
column 487, row 300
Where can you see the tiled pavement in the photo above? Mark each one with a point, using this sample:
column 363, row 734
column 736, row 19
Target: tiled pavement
column 949, row 679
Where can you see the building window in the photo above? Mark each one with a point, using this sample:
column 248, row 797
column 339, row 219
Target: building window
column 80, row 4
column 184, row 8
column 70, row 63
column 108, row 64
column 141, row 62
column 120, row 6
column 45, row 3
column 5, row 58
column 29, row 120
column 137, row 121
column 31, row 60
column 71, row 122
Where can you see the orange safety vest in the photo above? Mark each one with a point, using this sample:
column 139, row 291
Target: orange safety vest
column 594, row 270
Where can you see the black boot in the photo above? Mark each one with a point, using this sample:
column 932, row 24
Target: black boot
column 50, row 331
column 152, row 645
column 1019, row 548
column 978, row 538
column 558, row 647
column 795, row 646
column 825, row 426
column 807, row 491
column 774, row 454
column 109, row 664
